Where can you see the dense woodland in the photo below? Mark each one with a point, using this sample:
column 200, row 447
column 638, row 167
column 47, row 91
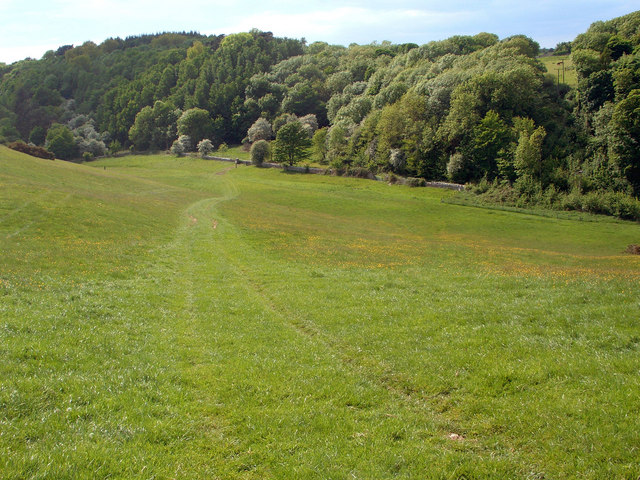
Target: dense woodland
column 469, row 109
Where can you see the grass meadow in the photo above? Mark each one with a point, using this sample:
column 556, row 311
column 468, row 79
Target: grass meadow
column 170, row 318
column 551, row 64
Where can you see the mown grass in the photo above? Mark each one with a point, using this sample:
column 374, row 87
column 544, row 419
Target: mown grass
column 175, row 318
column 236, row 151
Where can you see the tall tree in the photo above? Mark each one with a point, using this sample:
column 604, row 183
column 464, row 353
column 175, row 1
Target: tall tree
column 196, row 123
column 60, row 142
column 292, row 144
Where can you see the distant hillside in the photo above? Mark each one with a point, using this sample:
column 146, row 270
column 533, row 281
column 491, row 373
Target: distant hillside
column 465, row 108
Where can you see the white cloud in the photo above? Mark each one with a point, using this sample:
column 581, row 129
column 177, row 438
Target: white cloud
column 13, row 54
column 60, row 22
column 360, row 24
column 141, row 11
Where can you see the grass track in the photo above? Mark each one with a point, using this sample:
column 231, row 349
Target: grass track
column 160, row 319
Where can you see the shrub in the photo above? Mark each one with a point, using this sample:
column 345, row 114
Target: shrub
column 205, row 147
column 177, row 149
column 397, row 159
column 415, row 182
column 60, row 141
column 550, row 196
column 617, row 204
column 622, row 206
column 595, row 202
column 528, row 188
column 31, row 150
column 482, row 187
column 260, row 152
column 360, row 172
column 457, row 168
column 572, row 201
column 185, row 141
column 115, row 147
column 260, row 130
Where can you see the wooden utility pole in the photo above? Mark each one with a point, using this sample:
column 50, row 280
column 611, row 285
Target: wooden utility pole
column 561, row 62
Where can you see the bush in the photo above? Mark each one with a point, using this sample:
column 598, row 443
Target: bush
column 260, row 130
column 528, row 188
column 481, row 187
column 397, row 160
column 527, row 193
column 616, row 204
column 177, row 148
column 415, row 182
column 457, row 168
column 31, row 150
column 550, row 196
column 114, row 147
column 626, row 207
column 572, row 201
column 185, row 141
column 205, row 147
column 360, row 172
column 60, row 141
column 260, row 152
column 595, row 202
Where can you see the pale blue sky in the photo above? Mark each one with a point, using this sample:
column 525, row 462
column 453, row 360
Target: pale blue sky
column 28, row 28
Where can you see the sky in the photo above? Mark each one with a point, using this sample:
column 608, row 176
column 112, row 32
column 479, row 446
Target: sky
column 29, row 28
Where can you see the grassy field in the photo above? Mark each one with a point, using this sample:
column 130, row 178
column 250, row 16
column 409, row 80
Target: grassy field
column 178, row 318
column 551, row 64
column 234, row 152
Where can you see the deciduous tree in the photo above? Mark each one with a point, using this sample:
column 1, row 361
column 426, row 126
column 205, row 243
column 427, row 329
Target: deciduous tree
column 292, row 144
column 260, row 130
column 196, row 123
column 60, row 141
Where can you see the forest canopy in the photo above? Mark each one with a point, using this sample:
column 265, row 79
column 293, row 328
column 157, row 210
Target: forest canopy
column 466, row 109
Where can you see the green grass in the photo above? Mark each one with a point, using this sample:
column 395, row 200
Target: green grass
column 551, row 64
column 235, row 152
column 175, row 318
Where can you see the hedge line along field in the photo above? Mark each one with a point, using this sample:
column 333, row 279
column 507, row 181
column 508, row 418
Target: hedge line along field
column 178, row 318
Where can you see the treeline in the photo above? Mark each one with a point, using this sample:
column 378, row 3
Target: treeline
column 105, row 86
column 466, row 109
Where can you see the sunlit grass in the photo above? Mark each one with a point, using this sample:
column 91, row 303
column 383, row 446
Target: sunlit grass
column 553, row 64
column 178, row 318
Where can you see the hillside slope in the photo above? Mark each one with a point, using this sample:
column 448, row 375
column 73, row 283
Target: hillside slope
column 166, row 317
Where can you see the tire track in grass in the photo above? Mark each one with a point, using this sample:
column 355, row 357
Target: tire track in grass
column 373, row 369
column 177, row 272
column 376, row 371
column 212, row 250
column 206, row 254
column 410, row 401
